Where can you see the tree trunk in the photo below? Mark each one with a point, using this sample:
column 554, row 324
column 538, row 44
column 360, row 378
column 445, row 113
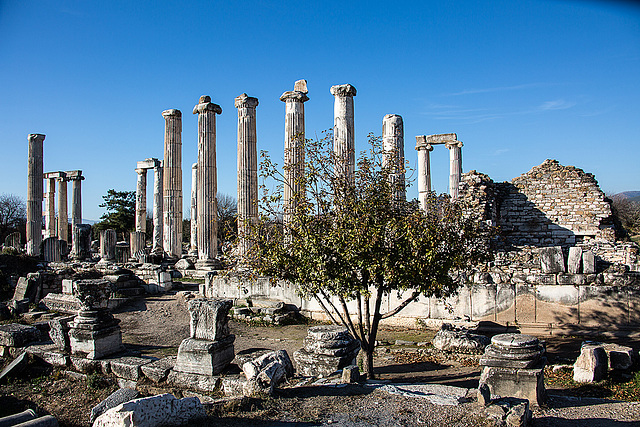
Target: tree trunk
column 367, row 363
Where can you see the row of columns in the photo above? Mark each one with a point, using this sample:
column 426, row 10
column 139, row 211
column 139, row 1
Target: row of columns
column 141, row 203
column 424, row 145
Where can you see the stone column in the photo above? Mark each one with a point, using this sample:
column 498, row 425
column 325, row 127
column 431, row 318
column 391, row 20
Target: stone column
column 141, row 200
column 172, row 235
column 158, row 204
column 393, row 146
column 294, row 140
column 207, row 182
column 63, row 218
column 344, row 131
column 50, row 213
column 424, row 170
column 247, row 169
column 35, row 169
column 455, row 166
column 76, row 197
column 194, row 210
column 108, row 242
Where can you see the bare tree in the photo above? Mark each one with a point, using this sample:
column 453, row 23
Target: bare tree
column 227, row 210
column 627, row 212
column 13, row 214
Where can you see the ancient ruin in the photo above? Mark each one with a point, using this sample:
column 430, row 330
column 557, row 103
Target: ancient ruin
column 344, row 131
column 34, row 194
column 172, row 184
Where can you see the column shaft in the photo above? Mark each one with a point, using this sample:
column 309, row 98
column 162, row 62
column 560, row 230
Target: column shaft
column 247, row 169
column 455, row 168
column 158, row 205
column 35, row 169
column 344, row 131
column 63, row 218
column 424, row 170
column 172, row 235
column 50, row 218
column 393, row 146
column 141, row 200
column 194, row 210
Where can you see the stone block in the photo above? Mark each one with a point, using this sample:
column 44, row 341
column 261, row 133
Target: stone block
column 116, row 398
column 253, row 368
column 87, row 366
column 160, row 410
column 158, row 370
column 26, row 288
column 233, row 385
column 483, row 299
column 205, row 357
column 570, row 279
column 350, row 374
column 318, row 365
column 603, row 306
column 574, row 260
column 128, row 367
column 591, row 365
column 552, row 260
column 209, row 318
column 557, row 304
column 620, row 357
column 588, row 262
column 59, row 332
column 61, row 303
column 67, row 287
column 505, row 303
column 17, row 335
column 96, row 344
column 512, row 382
column 459, row 340
column 48, row 353
column 192, row 381
column 542, row 279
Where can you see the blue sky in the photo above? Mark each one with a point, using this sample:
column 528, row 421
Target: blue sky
column 518, row 81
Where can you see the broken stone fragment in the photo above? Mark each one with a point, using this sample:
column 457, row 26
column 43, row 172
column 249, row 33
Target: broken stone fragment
column 459, row 340
column 119, row 396
column 591, row 365
column 209, row 318
column 253, row 368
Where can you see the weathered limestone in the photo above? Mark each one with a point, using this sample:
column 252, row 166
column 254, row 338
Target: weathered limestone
column 209, row 349
column 294, row 140
column 172, row 175
column 193, row 249
column 552, row 260
column 266, row 372
column 207, row 182
column 81, row 247
column 108, row 242
column 344, row 131
column 620, row 357
column 393, row 146
column 63, row 217
column 326, row 350
column 35, row 169
column 455, row 166
column 588, row 262
column 94, row 331
column 513, row 366
column 141, row 200
column 591, row 365
column 59, row 332
column 247, row 169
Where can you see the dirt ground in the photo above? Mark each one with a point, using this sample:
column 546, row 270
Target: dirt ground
column 155, row 326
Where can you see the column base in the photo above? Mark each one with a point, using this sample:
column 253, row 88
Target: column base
column 208, row 264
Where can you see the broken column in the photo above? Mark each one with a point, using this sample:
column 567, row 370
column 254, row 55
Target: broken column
column 209, row 349
column 108, row 242
column 141, row 200
column 81, row 246
column 35, row 170
column 63, row 217
column 294, row 140
column 247, row 169
column 513, row 366
column 393, row 147
column 424, row 170
column 344, row 131
column 172, row 174
column 207, row 182
column 455, row 166
column 193, row 249
column 158, row 207
column 50, row 211
column 94, row 331
column 326, row 349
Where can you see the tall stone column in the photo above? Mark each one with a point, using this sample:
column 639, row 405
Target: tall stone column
column 63, row 217
column 76, row 196
column 158, row 207
column 207, row 182
column 455, row 167
column 294, row 140
column 247, row 170
column 35, row 169
column 141, row 200
column 50, row 212
column 344, row 131
column 393, row 146
column 194, row 210
column 172, row 235
column 424, row 170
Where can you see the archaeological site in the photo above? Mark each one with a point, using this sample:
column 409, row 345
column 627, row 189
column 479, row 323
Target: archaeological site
column 159, row 329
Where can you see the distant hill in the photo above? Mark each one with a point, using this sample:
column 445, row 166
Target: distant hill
column 634, row 196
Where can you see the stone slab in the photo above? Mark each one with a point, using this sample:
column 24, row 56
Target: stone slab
column 574, row 260
column 620, row 357
column 17, row 335
column 116, row 398
column 205, row 357
column 208, row 383
column 437, row 394
column 15, row 367
column 158, row 370
column 61, row 303
column 128, row 367
column 552, row 260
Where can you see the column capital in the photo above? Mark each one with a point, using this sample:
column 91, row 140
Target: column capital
column 74, row 175
column 194, row 166
column 246, row 101
column 148, row 163
column 422, row 144
column 343, row 90
column 205, row 104
column 171, row 113
column 453, row 144
column 36, row 137
column 294, row 96
column 141, row 171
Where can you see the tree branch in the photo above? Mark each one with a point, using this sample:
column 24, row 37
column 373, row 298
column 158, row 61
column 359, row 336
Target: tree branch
column 405, row 303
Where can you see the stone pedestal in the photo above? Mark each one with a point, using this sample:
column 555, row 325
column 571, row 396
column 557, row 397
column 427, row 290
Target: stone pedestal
column 209, row 349
column 35, row 170
column 172, row 175
column 94, row 331
column 344, row 131
column 513, row 366
column 108, row 245
column 326, row 349
column 393, row 146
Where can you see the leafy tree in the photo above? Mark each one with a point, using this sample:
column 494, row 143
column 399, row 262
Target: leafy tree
column 121, row 210
column 227, row 209
column 13, row 215
column 348, row 243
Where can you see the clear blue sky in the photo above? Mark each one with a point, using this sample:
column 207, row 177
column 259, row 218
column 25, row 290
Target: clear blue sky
column 518, row 81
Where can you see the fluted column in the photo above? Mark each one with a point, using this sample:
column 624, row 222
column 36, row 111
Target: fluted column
column 294, row 140
column 247, row 169
column 172, row 235
column 50, row 212
column 141, row 200
column 455, row 166
column 76, row 196
column 207, row 181
column 424, row 170
column 108, row 244
column 158, row 207
column 393, row 147
column 344, row 131
column 63, row 218
column 35, row 169
column 194, row 210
